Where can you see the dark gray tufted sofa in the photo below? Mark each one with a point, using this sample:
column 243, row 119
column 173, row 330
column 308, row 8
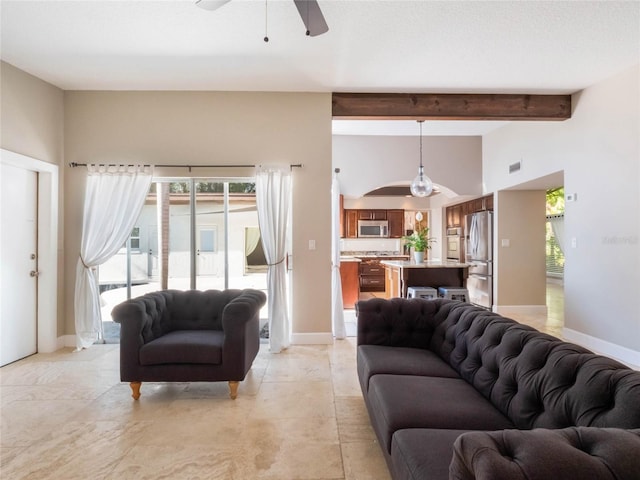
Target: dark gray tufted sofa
column 432, row 371
column 189, row 336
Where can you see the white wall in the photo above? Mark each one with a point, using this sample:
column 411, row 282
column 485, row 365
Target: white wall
column 598, row 150
column 370, row 162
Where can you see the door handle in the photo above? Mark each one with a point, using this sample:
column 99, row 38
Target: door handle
column 34, row 273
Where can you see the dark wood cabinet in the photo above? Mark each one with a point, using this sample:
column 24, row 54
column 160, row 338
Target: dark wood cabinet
column 350, row 278
column 371, row 275
column 372, row 214
column 396, row 223
column 488, row 202
column 350, row 217
column 351, row 223
column 476, row 205
column 455, row 213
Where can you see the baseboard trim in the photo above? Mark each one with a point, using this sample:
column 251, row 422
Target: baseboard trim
column 66, row 341
column 622, row 354
column 296, row 339
column 507, row 310
column 319, row 338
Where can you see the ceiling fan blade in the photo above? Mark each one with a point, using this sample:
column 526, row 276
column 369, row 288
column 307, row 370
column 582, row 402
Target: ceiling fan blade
column 312, row 17
column 211, row 4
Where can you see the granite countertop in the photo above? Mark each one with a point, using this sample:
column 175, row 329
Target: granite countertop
column 428, row 264
column 373, row 254
column 358, row 256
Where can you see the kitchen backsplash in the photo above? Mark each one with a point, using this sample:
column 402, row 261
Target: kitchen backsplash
column 370, row 245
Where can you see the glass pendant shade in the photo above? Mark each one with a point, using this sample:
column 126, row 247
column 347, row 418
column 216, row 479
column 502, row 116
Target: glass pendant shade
column 422, row 185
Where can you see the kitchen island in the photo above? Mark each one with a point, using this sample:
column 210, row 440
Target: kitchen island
column 400, row 275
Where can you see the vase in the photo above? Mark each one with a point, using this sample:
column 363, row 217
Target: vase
column 418, row 257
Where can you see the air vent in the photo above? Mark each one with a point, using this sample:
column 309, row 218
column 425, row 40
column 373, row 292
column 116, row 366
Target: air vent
column 515, row 167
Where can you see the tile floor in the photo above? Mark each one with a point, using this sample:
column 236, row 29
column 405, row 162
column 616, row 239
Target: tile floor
column 298, row 415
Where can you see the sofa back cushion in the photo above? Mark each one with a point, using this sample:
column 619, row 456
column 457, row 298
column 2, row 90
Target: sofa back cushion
column 170, row 310
column 198, row 310
column 397, row 322
column 537, row 380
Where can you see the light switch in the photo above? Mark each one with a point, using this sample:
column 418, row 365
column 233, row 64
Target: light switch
column 506, row 242
column 574, row 242
column 312, row 244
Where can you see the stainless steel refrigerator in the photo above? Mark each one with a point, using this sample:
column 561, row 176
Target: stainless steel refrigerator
column 479, row 255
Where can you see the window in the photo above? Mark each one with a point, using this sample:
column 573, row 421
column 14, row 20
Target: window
column 554, row 254
column 555, row 232
column 135, row 239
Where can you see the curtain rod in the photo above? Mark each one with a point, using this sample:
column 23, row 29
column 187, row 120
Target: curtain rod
column 75, row 164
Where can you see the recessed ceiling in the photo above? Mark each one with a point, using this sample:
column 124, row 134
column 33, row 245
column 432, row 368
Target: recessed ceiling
column 397, row 191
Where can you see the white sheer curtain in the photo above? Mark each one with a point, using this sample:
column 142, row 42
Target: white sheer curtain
column 557, row 225
column 337, row 309
column 251, row 239
column 114, row 197
column 273, row 193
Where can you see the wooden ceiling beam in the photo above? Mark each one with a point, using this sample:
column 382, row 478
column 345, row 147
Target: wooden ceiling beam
column 432, row 106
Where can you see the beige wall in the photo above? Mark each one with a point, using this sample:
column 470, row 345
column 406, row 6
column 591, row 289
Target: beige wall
column 31, row 123
column 215, row 128
column 520, row 218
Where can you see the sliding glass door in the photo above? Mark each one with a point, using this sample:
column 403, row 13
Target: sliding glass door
column 192, row 233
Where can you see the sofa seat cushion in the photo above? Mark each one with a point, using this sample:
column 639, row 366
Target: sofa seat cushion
column 419, row 453
column 379, row 359
column 408, row 401
column 184, row 346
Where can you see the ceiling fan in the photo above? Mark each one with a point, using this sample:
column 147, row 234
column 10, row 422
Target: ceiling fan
column 309, row 11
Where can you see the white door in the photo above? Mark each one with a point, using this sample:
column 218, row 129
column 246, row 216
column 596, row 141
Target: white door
column 206, row 250
column 18, row 249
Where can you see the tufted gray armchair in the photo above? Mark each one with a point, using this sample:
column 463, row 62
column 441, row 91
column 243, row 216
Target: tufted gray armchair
column 189, row 336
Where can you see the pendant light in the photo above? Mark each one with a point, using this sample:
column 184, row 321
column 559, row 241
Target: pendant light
column 422, row 185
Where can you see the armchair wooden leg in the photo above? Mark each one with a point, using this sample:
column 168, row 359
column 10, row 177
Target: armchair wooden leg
column 233, row 389
column 135, row 388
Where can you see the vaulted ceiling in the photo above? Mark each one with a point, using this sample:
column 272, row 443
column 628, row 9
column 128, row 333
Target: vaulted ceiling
column 372, row 46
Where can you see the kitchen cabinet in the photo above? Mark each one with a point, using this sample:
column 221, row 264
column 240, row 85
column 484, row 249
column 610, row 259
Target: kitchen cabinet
column 488, row 202
column 455, row 213
column 371, row 275
column 454, row 216
column 350, row 279
column 392, row 282
column 372, row 214
column 476, row 205
column 350, row 219
column 351, row 223
column 396, row 223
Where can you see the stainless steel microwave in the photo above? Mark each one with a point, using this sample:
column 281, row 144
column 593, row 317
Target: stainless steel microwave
column 373, row 229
